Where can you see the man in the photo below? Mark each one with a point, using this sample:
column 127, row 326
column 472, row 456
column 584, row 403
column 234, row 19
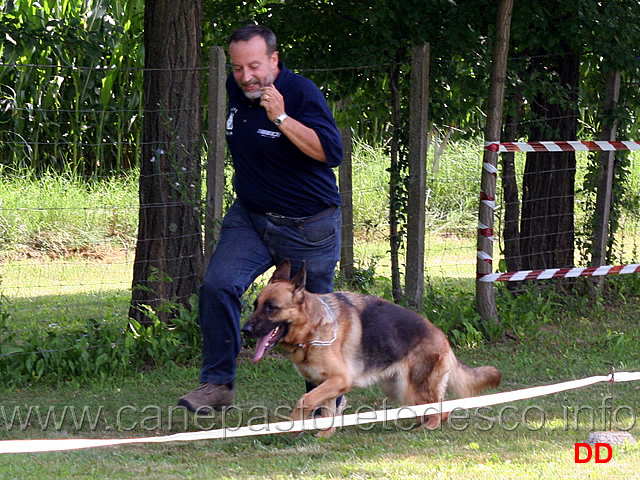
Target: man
column 284, row 142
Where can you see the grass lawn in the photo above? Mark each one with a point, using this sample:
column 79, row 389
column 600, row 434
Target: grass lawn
column 526, row 439
column 551, row 339
column 45, row 292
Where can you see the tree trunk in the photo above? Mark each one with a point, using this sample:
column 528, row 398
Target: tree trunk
column 169, row 257
column 547, row 228
column 485, row 293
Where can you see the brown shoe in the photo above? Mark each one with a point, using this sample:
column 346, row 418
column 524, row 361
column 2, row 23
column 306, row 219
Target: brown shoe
column 207, row 397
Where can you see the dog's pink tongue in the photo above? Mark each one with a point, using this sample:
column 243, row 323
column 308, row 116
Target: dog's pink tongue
column 261, row 347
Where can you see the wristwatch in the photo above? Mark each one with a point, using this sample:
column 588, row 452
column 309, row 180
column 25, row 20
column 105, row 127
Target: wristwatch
column 278, row 121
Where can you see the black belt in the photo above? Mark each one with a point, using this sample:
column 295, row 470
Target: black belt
column 298, row 221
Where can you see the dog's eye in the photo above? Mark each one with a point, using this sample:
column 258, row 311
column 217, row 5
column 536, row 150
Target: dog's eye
column 270, row 308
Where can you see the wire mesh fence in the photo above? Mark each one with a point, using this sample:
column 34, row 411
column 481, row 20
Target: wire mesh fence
column 69, row 202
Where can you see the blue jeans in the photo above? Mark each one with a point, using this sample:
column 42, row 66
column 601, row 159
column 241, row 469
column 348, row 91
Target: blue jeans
column 250, row 243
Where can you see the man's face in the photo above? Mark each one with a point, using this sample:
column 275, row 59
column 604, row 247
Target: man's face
column 253, row 68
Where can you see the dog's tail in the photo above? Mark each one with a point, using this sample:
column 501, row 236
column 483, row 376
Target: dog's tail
column 468, row 381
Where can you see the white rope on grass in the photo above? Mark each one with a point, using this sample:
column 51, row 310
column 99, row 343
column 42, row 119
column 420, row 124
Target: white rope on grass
column 34, row 446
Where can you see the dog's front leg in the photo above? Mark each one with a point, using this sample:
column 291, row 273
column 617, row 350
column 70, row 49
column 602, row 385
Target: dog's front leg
column 328, row 410
column 324, row 396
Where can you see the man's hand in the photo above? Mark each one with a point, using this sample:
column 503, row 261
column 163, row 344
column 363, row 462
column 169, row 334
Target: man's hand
column 272, row 101
column 303, row 137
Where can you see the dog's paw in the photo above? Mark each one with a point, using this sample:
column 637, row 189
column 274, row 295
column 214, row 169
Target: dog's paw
column 326, row 433
column 433, row 422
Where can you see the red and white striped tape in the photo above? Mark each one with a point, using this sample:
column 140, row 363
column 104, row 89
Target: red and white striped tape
column 559, row 273
column 485, row 231
column 547, row 146
column 561, row 146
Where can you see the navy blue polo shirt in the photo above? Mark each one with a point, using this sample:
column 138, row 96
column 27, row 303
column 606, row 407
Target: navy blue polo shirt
column 271, row 173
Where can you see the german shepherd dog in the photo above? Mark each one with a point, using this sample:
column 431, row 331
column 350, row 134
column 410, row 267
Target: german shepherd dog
column 343, row 340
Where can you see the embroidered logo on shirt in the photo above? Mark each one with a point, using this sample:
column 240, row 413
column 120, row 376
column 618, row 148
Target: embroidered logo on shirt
column 268, row 133
column 232, row 112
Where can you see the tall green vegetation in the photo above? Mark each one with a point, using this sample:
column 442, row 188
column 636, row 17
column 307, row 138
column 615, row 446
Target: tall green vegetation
column 70, row 84
column 49, row 214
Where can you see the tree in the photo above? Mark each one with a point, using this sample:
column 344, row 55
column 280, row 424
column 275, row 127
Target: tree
column 169, row 257
column 548, row 80
column 547, row 229
column 563, row 52
column 485, row 299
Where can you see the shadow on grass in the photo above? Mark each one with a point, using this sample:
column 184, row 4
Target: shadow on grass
column 62, row 311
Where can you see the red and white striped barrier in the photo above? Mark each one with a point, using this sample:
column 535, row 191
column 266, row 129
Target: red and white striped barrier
column 560, row 273
column 546, row 146
column 561, row 146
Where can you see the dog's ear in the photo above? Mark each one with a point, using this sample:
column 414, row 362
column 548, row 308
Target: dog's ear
column 283, row 271
column 300, row 280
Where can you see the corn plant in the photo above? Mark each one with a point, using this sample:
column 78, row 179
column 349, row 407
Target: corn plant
column 70, row 84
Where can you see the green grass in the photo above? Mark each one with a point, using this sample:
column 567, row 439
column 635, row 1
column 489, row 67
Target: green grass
column 67, row 291
column 67, row 247
column 574, row 345
column 451, row 190
column 67, row 215
column 63, row 263
column 68, row 242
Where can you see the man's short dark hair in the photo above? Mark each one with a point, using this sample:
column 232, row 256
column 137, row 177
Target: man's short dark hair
column 247, row 32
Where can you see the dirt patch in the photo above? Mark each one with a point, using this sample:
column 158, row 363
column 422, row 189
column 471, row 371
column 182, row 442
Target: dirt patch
column 99, row 253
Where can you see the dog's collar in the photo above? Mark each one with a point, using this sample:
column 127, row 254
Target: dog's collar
column 322, row 343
